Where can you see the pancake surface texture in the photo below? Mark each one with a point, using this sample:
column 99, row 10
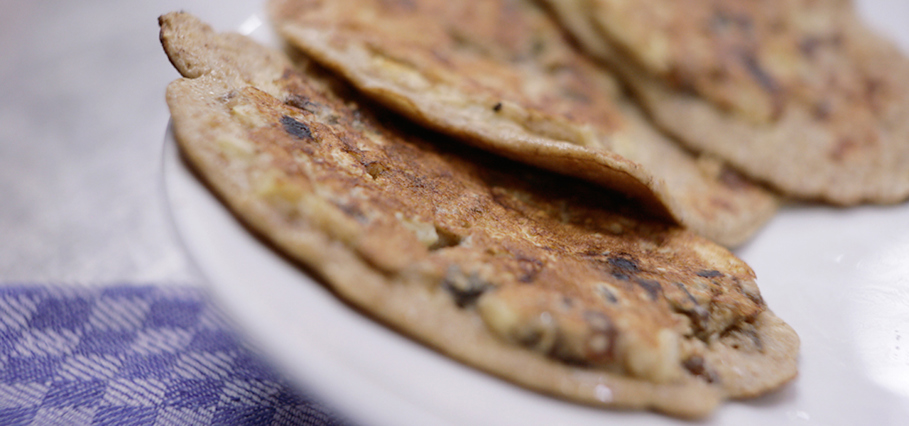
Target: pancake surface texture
column 501, row 75
column 799, row 94
column 545, row 281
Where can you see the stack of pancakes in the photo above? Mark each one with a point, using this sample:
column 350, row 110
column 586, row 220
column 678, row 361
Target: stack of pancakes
column 544, row 190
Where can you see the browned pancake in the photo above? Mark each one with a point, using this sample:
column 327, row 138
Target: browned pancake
column 500, row 74
column 544, row 280
column 799, row 94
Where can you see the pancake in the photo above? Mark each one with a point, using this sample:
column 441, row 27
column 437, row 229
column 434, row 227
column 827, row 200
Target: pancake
column 500, row 74
column 544, row 280
column 798, row 94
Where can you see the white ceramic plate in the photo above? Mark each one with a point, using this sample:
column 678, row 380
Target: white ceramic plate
column 840, row 277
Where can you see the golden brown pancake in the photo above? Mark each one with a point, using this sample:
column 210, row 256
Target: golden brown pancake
column 546, row 281
column 500, row 74
column 799, row 94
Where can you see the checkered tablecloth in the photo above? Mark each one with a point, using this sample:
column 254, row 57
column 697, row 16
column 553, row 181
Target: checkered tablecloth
column 134, row 355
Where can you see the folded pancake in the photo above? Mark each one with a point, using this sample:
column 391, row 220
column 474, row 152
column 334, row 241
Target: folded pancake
column 799, row 94
column 544, row 280
column 501, row 75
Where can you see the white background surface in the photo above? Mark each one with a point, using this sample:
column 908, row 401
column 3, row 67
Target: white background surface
column 82, row 117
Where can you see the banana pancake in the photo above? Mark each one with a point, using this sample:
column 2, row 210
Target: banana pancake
column 799, row 94
column 544, row 280
column 501, row 75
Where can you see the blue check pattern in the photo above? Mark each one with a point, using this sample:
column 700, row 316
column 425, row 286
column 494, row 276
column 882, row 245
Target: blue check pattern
column 134, row 355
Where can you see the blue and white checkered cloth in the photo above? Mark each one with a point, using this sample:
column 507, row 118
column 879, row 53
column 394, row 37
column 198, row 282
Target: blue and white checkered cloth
column 133, row 355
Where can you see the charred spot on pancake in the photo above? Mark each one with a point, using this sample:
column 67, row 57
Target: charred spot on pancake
column 743, row 337
column 530, row 268
column 607, row 292
column 709, row 273
column 698, row 367
column 756, row 298
column 722, row 21
column 698, row 314
column 400, row 5
column 874, row 91
column 763, row 78
column 567, row 303
column 464, row 288
column 809, row 45
column 822, row 110
column 353, row 211
column 732, row 179
column 295, row 128
column 623, row 267
column 765, row 81
column 301, row 102
column 653, row 288
column 539, row 334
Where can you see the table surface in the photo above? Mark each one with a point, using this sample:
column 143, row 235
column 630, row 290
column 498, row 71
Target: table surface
column 82, row 120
